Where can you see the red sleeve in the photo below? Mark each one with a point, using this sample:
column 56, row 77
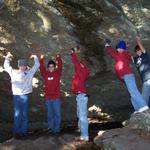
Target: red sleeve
column 59, row 64
column 42, row 67
column 75, row 59
column 111, row 52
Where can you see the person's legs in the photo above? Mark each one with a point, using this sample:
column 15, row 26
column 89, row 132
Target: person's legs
column 57, row 115
column 17, row 114
column 82, row 101
column 50, row 114
column 79, row 124
column 146, row 91
column 137, row 99
column 24, row 113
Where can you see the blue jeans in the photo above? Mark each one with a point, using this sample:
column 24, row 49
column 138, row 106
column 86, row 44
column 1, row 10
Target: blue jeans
column 146, row 91
column 82, row 113
column 54, row 114
column 137, row 99
column 20, row 113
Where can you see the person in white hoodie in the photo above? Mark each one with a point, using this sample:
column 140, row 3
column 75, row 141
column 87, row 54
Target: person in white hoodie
column 21, row 81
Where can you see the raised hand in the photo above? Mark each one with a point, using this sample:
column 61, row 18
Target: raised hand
column 107, row 43
column 138, row 40
column 42, row 56
column 33, row 56
column 57, row 55
column 74, row 49
column 9, row 55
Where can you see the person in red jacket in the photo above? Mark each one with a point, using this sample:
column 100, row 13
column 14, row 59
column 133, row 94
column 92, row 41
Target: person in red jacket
column 52, row 91
column 80, row 77
column 124, row 73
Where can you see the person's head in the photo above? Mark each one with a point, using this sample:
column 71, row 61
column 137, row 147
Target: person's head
column 121, row 46
column 83, row 62
column 51, row 65
column 22, row 64
column 137, row 50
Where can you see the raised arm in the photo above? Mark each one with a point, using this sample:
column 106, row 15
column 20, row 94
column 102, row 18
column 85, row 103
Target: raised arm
column 59, row 63
column 42, row 65
column 111, row 52
column 138, row 40
column 7, row 66
column 36, row 63
column 74, row 58
column 109, row 49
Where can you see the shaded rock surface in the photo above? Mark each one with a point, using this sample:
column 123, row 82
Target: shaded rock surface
column 44, row 26
column 65, row 142
column 50, row 26
column 135, row 135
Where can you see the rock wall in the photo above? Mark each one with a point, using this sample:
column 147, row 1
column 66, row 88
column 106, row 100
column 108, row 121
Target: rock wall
column 50, row 26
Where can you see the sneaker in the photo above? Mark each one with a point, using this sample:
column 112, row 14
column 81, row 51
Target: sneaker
column 135, row 112
column 143, row 109
column 86, row 139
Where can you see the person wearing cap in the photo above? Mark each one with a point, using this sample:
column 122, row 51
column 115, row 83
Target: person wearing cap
column 81, row 74
column 124, row 72
column 52, row 91
column 21, row 81
column 142, row 61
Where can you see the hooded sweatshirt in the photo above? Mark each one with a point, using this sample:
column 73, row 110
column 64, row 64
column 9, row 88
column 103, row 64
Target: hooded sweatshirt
column 122, row 62
column 80, row 76
column 51, row 80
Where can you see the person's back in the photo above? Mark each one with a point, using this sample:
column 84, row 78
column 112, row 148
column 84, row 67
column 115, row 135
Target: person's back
column 81, row 74
column 122, row 61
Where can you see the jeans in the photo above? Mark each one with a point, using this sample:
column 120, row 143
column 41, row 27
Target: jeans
column 137, row 99
column 54, row 114
column 146, row 91
column 20, row 113
column 82, row 113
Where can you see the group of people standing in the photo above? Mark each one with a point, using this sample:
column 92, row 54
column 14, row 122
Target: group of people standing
column 21, row 80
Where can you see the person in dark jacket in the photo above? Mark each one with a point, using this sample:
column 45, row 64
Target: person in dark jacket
column 142, row 61
column 52, row 92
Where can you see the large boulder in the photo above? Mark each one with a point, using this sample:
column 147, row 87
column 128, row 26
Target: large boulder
column 139, row 121
column 135, row 134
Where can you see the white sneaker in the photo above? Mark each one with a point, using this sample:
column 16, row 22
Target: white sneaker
column 143, row 109
column 86, row 139
column 135, row 112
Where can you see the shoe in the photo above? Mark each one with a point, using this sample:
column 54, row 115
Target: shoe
column 86, row 139
column 19, row 135
column 135, row 112
column 143, row 109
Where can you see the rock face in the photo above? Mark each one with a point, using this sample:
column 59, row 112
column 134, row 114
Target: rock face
column 50, row 26
column 135, row 135
column 64, row 142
